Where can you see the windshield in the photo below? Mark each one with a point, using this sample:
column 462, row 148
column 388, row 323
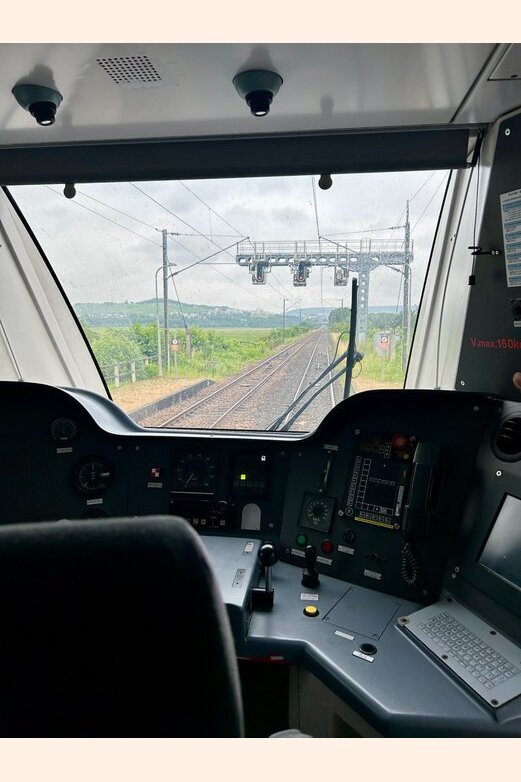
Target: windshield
column 226, row 304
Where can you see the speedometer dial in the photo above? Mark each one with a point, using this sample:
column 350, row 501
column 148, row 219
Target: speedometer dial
column 195, row 474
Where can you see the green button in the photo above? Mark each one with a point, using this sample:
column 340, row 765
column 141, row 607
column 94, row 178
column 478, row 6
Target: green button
column 302, row 540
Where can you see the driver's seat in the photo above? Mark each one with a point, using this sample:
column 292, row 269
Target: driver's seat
column 112, row 628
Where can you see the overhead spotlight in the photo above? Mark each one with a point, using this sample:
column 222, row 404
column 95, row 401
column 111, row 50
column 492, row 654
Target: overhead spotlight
column 258, row 89
column 325, row 181
column 69, row 191
column 41, row 102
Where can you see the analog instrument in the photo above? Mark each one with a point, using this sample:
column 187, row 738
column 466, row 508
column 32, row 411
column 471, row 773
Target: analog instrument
column 63, row 430
column 195, row 474
column 317, row 512
column 93, row 475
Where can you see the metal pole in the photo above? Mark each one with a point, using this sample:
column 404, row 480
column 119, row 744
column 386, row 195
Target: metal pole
column 159, row 352
column 351, row 345
column 283, row 319
column 165, row 299
column 406, row 291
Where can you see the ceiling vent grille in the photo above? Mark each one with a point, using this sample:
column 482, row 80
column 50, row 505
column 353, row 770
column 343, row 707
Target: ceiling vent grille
column 133, row 72
column 508, row 439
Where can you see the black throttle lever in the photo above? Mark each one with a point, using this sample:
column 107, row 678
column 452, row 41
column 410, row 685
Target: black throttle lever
column 263, row 598
column 310, row 574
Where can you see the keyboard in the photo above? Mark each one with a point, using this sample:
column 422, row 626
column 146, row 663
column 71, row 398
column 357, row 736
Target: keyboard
column 476, row 652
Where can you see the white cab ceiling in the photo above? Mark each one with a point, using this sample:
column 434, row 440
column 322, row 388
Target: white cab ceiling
column 326, row 86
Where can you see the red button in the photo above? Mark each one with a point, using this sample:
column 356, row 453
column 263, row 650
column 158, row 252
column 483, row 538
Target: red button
column 327, row 546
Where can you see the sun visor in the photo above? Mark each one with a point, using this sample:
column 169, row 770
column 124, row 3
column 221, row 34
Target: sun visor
column 259, row 155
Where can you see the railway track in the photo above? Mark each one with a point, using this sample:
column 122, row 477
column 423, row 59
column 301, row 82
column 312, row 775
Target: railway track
column 253, row 399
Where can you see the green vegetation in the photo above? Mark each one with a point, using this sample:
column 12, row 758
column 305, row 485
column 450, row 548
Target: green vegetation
column 215, row 353
column 338, row 319
column 386, row 368
column 223, row 350
column 382, row 368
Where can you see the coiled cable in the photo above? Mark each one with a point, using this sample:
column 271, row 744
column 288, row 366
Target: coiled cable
column 410, row 571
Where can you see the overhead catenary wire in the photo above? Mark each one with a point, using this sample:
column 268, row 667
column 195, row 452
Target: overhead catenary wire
column 120, row 211
column 250, row 292
column 287, row 294
column 411, row 198
column 221, row 249
column 99, row 214
column 137, row 219
column 212, row 266
column 387, row 228
column 211, row 209
column 200, row 260
column 181, row 219
column 429, row 203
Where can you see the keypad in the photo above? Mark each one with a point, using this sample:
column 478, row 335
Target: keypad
column 464, row 647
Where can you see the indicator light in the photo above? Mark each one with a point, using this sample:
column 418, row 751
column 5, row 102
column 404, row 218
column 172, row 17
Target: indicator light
column 400, row 441
column 310, row 611
column 243, row 476
column 302, row 540
column 327, row 546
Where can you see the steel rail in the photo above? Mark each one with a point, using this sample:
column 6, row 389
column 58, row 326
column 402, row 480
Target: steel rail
column 301, row 344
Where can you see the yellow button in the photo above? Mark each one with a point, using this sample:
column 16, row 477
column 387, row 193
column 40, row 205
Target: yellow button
column 311, row 611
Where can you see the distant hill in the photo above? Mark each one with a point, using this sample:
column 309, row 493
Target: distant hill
column 110, row 313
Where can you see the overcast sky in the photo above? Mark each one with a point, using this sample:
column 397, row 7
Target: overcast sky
column 97, row 260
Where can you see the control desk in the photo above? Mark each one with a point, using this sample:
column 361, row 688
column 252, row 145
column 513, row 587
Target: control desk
column 399, row 516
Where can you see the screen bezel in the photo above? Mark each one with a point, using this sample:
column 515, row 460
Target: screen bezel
column 481, row 516
column 486, row 542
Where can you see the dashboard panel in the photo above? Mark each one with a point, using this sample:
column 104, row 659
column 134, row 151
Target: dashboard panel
column 397, row 492
column 378, row 489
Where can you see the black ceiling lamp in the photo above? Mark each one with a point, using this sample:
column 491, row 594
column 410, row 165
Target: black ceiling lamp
column 325, row 181
column 258, row 89
column 41, row 102
column 69, row 190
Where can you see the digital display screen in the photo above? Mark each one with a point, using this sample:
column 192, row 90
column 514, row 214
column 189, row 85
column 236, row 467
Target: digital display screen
column 380, row 491
column 502, row 551
column 380, row 476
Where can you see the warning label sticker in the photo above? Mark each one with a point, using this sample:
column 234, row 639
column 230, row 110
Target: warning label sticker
column 511, row 222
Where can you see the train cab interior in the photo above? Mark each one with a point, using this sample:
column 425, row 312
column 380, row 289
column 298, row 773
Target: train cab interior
column 260, row 433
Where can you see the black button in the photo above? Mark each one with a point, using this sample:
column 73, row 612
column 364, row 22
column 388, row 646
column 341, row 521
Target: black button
column 368, row 649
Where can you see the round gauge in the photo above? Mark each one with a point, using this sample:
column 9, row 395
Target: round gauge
column 317, row 510
column 195, row 474
column 93, row 475
column 63, row 430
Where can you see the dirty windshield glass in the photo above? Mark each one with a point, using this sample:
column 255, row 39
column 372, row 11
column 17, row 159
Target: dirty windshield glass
column 226, row 304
